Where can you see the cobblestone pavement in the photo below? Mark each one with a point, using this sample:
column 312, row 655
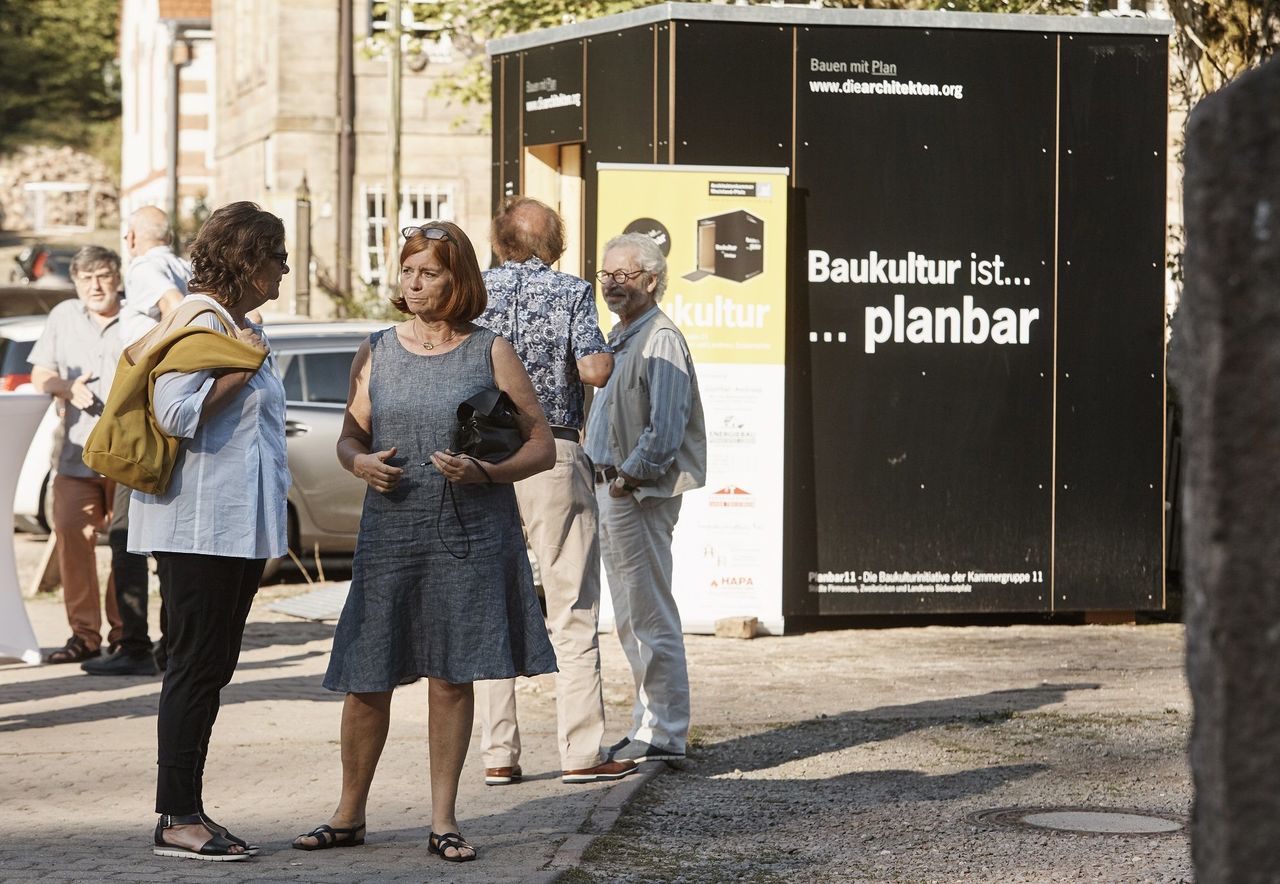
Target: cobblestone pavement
column 77, row 772
column 833, row 756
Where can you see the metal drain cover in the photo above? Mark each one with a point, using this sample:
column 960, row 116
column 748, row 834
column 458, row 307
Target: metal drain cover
column 1081, row 820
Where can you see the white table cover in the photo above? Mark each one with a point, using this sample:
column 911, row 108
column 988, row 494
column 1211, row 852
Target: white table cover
column 20, row 414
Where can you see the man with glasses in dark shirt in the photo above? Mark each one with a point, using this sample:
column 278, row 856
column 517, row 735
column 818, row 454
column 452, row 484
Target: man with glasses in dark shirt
column 550, row 318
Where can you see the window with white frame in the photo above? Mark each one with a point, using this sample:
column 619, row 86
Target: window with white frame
column 419, row 11
column 419, row 203
column 416, row 20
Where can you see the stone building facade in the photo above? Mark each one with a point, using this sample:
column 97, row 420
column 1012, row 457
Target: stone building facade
column 278, row 121
column 166, row 44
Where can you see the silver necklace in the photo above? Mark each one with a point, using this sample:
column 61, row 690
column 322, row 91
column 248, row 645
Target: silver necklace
column 427, row 345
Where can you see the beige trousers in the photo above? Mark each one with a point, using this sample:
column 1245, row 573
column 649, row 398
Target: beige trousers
column 82, row 508
column 558, row 508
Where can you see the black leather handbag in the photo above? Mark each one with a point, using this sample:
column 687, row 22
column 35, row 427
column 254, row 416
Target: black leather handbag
column 487, row 428
column 487, row 433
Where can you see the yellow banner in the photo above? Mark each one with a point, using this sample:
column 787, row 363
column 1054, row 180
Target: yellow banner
column 724, row 234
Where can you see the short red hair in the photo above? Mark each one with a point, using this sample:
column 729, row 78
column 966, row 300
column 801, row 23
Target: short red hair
column 467, row 296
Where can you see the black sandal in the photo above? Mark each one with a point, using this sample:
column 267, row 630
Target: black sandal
column 74, row 651
column 216, row 849
column 219, row 829
column 327, row 836
column 438, row 844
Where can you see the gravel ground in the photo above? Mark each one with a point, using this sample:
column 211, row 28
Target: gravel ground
column 889, row 793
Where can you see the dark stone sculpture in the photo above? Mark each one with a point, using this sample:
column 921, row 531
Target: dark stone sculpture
column 1226, row 364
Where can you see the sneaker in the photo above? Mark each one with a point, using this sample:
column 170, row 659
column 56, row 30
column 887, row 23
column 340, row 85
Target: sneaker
column 639, row 751
column 612, row 750
column 121, row 663
column 502, row 776
column 609, row 770
column 74, row 651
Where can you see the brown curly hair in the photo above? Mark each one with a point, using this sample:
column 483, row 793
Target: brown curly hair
column 467, row 295
column 231, row 248
column 525, row 228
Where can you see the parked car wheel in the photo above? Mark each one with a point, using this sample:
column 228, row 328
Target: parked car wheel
column 44, row 515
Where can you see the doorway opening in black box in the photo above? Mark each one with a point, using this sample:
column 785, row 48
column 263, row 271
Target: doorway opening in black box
column 553, row 175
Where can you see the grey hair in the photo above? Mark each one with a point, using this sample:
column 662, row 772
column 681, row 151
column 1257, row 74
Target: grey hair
column 90, row 257
column 151, row 223
column 649, row 255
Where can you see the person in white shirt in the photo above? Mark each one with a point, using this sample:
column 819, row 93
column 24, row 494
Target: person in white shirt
column 156, row 280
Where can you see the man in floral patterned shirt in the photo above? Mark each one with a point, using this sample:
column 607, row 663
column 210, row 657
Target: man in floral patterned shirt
column 550, row 318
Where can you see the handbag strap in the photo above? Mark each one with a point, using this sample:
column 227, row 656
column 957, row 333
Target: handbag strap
column 448, row 489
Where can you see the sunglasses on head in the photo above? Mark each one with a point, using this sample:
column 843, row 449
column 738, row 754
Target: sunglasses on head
column 427, row 231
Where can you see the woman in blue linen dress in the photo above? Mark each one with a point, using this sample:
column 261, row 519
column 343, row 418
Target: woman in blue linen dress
column 441, row 586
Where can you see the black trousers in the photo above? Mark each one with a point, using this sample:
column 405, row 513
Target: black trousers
column 208, row 600
column 129, row 572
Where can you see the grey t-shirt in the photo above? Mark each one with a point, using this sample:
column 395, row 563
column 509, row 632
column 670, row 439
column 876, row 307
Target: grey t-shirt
column 73, row 344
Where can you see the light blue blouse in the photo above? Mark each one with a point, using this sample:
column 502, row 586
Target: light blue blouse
column 227, row 495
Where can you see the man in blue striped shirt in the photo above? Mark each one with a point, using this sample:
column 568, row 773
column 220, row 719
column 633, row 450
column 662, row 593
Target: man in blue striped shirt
column 647, row 439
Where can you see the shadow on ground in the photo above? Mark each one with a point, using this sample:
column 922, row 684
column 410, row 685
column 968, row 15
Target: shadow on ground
column 756, row 751
column 306, row 687
column 68, row 679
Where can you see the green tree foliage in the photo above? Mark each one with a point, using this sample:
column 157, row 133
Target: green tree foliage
column 471, row 23
column 1217, row 40
column 58, row 78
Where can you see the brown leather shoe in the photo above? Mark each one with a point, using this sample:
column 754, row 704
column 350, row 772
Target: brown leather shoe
column 608, row 770
column 502, row 776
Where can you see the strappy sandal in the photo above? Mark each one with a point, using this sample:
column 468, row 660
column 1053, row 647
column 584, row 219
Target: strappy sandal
column 219, row 829
column 327, row 836
column 216, row 849
column 438, row 844
column 74, row 651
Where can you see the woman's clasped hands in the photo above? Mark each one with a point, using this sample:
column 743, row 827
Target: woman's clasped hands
column 382, row 476
column 459, row 469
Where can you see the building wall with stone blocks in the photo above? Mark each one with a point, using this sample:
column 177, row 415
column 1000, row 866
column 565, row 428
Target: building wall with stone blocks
column 147, row 50
column 278, row 120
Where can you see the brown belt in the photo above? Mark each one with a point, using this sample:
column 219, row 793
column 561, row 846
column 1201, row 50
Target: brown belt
column 605, row 474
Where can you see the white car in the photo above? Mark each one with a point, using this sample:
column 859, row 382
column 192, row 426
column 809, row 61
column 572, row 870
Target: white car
column 32, row 500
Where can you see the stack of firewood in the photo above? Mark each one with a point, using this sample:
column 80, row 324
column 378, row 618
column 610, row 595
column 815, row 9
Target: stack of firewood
column 55, row 164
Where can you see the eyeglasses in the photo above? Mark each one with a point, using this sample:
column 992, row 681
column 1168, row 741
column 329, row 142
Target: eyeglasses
column 618, row 276
column 105, row 277
column 428, row 232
